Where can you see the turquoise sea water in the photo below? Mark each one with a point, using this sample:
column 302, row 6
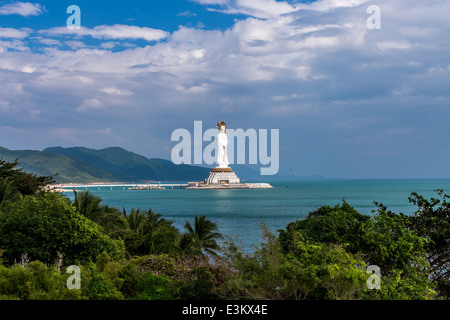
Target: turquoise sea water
column 238, row 213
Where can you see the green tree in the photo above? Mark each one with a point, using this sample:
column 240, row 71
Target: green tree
column 308, row 270
column 156, row 287
column 199, row 284
column 432, row 222
column 47, row 224
column 23, row 182
column 200, row 239
column 97, row 284
column 340, row 224
column 91, row 206
column 391, row 244
column 384, row 239
column 323, row 271
column 7, row 191
column 150, row 233
column 152, row 277
column 35, row 281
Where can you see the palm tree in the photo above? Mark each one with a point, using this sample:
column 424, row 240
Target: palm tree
column 132, row 237
column 150, row 233
column 91, row 207
column 201, row 238
column 134, row 219
column 7, row 191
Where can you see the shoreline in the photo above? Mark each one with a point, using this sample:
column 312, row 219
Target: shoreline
column 113, row 184
column 69, row 187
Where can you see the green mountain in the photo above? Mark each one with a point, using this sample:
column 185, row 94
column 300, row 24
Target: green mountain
column 129, row 166
column 49, row 164
column 83, row 165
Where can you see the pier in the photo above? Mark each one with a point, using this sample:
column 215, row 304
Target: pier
column 157, row 186
column 124, row 186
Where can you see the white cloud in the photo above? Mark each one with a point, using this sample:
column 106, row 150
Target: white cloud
column 22, row 8
column 212, row 2
column 84, row 80
column 76, row 44
column 319, row 66
column 112, row 32
column 388, row 45
column 117, row 92
column 80, row 136
column 14, row 44
column 272, row 9
column 403, row 91
column 4, row 105
column 14, row 33
column 89, row 104
column 109, row 44
column 35, row 112
column 265, row 9
column 186, row 14
column 328, row 5
column 287, row 46
column 28, row 69
column 129, row 32
column 49, row 42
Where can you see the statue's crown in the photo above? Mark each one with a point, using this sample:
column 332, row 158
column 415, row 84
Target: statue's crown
column 220, row 124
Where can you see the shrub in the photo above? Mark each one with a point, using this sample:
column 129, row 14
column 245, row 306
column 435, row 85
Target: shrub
column 46, row 224
column 153, row 287
column 98, row 285
column 35, row 282
column 143, row 272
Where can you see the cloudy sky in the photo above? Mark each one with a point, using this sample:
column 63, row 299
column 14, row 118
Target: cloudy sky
column 349, row 101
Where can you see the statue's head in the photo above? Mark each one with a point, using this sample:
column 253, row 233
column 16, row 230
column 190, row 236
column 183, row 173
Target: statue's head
column 222, row 126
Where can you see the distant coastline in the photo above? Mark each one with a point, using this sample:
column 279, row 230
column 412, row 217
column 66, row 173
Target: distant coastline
column 69, row 187
column 85, row 166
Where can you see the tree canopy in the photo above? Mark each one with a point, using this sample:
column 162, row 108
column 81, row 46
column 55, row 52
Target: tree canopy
column 23, row 182
column 46, row 224
column 141, row 255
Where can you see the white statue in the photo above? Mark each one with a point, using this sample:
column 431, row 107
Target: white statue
column 221, row 144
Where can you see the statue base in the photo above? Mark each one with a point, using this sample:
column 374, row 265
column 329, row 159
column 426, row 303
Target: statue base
column 225, row 178
column 222, row 176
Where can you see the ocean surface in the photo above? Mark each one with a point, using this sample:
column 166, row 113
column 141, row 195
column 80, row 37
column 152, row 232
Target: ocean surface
column 239, row 213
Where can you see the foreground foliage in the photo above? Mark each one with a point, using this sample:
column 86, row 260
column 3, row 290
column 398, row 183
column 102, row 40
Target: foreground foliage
column 46, row 224
column 140, row 255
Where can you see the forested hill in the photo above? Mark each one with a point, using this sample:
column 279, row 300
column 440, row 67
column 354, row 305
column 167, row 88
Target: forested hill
column 84, row 165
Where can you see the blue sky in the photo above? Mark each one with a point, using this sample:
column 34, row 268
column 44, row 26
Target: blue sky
column 349, row 102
